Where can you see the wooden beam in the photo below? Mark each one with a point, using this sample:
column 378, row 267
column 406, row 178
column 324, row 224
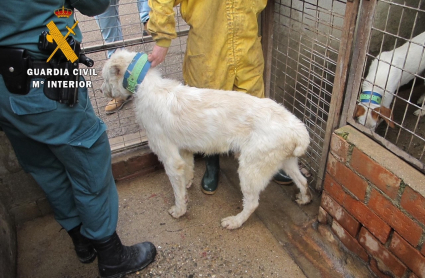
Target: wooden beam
column 341, row 72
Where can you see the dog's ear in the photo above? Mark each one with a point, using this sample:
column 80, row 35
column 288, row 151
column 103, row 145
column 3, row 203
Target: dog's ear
column 358, row 111
column 115, row 70
column 386, row 113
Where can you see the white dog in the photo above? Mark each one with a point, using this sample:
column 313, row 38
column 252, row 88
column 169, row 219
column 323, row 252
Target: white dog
column 387, row 72
column 180, row 120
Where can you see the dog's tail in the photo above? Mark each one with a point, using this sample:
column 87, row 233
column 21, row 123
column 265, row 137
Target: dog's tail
column 302, row 141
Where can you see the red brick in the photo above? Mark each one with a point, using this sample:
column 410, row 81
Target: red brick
column 357, row 209
column 340, row 214
column 339, row 147
column 119, row 169
column 412, row 275
column 408, row 255
column 386, row 261
column 414, row 203
column 322, row 217
column 346, row 177
column 378, row 268
column 405, row 226
column 331, row 165
column 375, row 173
column 349, row 241
column 334, row 189
column 135, row 166
column 137, row 163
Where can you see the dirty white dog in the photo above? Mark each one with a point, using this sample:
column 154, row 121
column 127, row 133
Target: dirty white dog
column 387, row 72
column 180, row 120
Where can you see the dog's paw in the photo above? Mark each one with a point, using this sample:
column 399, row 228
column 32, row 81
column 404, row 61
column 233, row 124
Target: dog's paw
column 176, row 212
column 419, row 112
column 420, row 100
column 303, row 199
column 189, row 184
column 231, row 222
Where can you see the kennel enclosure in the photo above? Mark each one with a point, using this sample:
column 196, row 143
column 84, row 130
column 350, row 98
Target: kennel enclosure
column 317, row 55
column 313, row 55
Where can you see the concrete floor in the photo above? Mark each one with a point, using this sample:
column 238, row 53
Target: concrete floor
column 280, row 240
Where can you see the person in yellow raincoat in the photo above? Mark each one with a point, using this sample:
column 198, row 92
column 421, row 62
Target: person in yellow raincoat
column 223, row 51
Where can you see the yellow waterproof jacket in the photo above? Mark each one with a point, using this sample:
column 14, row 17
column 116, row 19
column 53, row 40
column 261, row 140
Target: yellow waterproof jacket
column 223, row 47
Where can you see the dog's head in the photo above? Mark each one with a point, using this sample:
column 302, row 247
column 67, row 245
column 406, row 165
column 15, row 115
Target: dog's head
column 370, row 118
column 113, row 74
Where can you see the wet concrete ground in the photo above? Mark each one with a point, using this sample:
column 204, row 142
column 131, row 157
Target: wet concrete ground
column 280, row 239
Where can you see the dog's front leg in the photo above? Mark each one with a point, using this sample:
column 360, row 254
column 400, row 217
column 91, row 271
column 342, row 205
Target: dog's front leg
column 175, row 171
column 188, row 169
column 421, row 103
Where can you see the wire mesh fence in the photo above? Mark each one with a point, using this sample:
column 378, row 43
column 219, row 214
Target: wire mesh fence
column 306, row 39
column 390, row 93
column 123, row 131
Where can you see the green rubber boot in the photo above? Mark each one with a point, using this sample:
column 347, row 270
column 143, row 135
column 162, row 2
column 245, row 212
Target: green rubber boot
column 210, row 179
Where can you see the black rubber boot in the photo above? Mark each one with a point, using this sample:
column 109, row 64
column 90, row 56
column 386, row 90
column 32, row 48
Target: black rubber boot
column 282, row 178
column 210, row 179
column 116, row 260
column 83, row 246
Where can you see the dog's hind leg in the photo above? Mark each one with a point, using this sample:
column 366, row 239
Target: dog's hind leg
column 253, row 179
column 174, row 166
column 290, row 166
column 188, row 169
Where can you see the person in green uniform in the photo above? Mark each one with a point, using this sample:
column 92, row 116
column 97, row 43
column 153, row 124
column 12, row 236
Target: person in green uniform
column 65, row 148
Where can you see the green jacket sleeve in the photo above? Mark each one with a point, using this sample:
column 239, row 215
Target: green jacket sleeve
column 90, row 7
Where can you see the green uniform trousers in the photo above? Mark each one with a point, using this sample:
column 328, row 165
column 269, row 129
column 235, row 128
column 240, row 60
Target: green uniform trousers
column 67, row 151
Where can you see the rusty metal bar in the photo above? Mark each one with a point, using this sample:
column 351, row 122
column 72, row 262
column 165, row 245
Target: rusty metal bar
column 267, row 42
column 125, row 43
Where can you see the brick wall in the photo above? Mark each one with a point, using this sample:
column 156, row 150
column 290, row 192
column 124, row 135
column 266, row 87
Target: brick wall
column 374, row 203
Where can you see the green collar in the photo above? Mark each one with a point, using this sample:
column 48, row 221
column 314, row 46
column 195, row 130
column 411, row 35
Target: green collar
column 370, row 97
column 136, row 71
